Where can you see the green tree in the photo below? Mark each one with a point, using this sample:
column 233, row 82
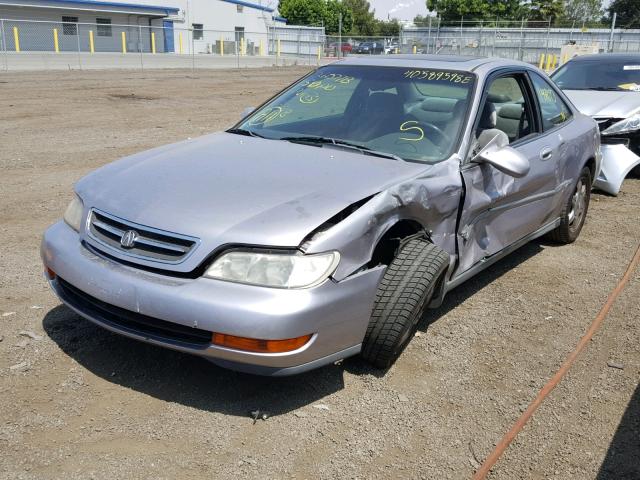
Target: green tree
column 303, row 12
column 332, row 19
column 364, row 21
column 582, row 10
column 390, row 28
column 628, row 12
column 420, row 21
column 451, row 10
column 540, row 10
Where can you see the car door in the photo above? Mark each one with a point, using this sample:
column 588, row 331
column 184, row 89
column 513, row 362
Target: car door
column 499, row 209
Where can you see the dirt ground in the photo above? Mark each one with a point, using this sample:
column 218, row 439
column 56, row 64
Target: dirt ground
column 79, row 402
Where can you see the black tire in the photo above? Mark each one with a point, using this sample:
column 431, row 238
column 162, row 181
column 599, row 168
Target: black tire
column 404, row 292
column 573, row 216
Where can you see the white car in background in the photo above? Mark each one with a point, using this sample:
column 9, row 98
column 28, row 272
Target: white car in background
column 607, row 88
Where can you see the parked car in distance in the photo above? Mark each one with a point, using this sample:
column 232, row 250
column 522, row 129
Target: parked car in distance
column 370, row 48
column 325, row 222
column 607, row 88
column 345, row 48
column 392, row 48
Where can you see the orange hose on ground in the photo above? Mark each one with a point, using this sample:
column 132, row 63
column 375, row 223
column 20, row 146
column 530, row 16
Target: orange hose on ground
column 508, row 437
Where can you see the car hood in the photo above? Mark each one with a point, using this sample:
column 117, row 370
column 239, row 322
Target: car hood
column 226, row 188
column 605, row 104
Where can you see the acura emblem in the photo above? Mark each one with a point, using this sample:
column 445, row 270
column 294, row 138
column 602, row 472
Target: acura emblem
column 129, row 238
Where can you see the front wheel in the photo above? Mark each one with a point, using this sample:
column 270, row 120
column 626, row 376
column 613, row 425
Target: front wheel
column 574, row 211
column 404, row 291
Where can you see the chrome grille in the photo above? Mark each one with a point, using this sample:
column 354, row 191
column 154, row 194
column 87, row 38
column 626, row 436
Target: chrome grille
column 137, row 240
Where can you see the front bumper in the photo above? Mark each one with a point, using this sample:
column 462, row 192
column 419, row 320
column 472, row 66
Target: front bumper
column 336, row 313
column 617, row 162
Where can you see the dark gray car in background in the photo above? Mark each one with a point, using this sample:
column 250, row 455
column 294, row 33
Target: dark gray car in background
column 325, row 222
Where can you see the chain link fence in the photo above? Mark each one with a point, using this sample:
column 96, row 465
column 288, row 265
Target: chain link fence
column 41, row 45
column 37, row 45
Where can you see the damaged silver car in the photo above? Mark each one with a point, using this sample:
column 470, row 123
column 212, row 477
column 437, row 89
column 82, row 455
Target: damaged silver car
column 325, row 222
column 607, row 88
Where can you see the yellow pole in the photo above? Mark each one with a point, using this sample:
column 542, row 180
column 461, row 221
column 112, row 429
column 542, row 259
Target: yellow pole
column 124, row 42
column 278, row 49
column 222, row 46
column 261, row 48
column 319, row 51
column 180, row 43
column 415, row 49
column 549, row 59
column 92, row 47
column 16, row 39
column 56, row 46
column 565, row 58
column 242, row 52
column 555, row 62
column 541, row 64
column 153, row 42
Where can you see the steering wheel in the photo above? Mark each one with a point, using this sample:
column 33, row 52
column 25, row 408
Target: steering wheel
column 440, row 137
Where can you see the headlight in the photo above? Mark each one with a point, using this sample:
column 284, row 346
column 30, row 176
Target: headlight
column 73, row 213
column 624, row 126
column 279, row 270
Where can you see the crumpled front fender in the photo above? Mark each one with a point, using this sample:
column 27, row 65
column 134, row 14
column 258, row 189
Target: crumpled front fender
column 617, row 162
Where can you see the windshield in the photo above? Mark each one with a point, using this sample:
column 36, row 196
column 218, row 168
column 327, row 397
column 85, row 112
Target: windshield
column 411, row 113
column 601, row 75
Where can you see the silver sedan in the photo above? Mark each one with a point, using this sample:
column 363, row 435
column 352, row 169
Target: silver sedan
column 325, row 222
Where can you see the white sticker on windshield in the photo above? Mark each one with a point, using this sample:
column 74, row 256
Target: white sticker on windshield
column 631, row 67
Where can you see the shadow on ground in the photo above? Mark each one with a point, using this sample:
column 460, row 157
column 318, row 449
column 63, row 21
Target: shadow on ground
column 195, row 382
column 622, row 461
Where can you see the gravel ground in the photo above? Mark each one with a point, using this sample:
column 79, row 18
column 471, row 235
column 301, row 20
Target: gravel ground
column 79, row 402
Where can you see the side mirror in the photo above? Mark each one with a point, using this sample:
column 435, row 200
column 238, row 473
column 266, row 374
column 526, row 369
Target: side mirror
column 246, row 112
column 494, row 149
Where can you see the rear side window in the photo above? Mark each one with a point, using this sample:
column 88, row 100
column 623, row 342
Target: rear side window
column 554, row 110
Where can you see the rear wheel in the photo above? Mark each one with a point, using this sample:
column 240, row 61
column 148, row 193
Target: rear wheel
column 404, row 291
column 575, row 210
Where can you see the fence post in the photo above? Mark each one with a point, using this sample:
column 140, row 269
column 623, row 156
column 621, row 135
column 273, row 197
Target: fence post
column 521, row 39
column 56, row 46
column 480, row 38
column 4, row 47
column 140, row 46
column 78, row 44
column 495, row 38
column 193, row 50
column 613, row 27
column 546, row 48
column 429, row 35
column 277, row 50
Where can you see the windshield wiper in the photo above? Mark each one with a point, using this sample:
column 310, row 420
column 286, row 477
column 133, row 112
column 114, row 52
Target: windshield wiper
column 342, row 143
column 242, row 131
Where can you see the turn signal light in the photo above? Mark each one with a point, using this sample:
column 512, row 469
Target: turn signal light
column 49, row 273
column 257, row 345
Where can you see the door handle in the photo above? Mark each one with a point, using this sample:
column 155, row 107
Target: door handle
column 546, row 153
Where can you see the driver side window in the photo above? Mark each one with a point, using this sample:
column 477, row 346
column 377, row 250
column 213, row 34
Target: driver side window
column 507, row 109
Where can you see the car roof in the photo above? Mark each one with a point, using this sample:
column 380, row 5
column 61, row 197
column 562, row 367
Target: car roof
column 598, row 57
column 455, row 62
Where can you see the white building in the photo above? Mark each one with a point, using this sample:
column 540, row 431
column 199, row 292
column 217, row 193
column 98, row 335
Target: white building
column 206, row 26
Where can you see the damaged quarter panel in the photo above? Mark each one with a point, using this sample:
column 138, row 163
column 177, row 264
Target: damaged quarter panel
column 431, row 199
